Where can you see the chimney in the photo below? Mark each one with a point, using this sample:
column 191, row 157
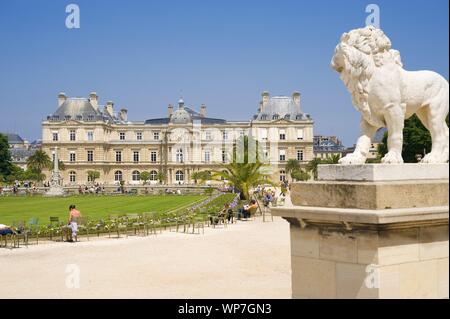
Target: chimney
column 110, row 108
column 61, row 98
column 203, row 110
column 169, row 110
column 93, row 98
column 265, row 100
column 296, row 98
column 123, row 115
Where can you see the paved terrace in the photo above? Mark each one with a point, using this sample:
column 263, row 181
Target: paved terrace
column 250, row 259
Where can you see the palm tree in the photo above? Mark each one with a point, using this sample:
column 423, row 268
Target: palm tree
column 300, row 175
column 245, row 173
column 39, row 161
column 291, row 166
column 201, row 176
column 333, row 159
column 312, row 166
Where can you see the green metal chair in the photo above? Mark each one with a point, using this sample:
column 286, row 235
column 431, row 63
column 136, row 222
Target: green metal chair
column 55, row 228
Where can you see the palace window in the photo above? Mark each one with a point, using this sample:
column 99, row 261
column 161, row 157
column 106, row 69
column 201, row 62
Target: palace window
column 263, row 134
column 300, row 134
column 224, row 156
column 90, row 156
column 136, row 156
column 72, row 157
column 282, row 176
column 266, row 154
column 153, row 156
column 118, row 176
column 90, row 136
column 122, row 136
column 179, row 176
column 72, row 176
column 55, row 136
column 136, row 176
column 156, row 136
column 282, row 155
column 118, row 156
column 139, row 136
column 224, row 135
column 300, row 155
column 207, row 156
column 208, row 136
column 282, row 135
column 153, row 175
column 72, row 135
column 179, row 156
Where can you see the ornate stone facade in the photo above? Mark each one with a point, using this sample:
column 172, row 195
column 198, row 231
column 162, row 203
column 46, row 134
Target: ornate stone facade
column 94, row 138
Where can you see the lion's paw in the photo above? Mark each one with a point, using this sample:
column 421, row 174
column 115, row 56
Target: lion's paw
column 435, row 158
column 352, row 159
column 392, row 158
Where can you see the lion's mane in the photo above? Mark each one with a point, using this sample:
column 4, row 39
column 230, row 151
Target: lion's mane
column 364, row 50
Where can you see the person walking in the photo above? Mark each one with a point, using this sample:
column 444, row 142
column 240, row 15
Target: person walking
column 74, row 216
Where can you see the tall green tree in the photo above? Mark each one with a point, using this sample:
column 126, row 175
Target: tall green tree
column 416, row 140
column 5, row 157
column 245, row 170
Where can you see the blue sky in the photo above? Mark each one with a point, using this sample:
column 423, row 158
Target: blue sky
column 140, row 54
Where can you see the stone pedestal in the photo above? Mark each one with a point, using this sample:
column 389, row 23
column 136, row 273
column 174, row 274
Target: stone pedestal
column 371, row 232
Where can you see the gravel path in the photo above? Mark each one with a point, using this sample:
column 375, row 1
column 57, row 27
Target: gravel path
column 250, row 259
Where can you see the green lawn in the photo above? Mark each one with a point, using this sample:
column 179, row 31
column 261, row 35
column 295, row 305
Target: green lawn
column 95, row 207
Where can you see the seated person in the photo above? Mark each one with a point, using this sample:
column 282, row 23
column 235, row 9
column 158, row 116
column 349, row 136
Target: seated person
column 267, row 199
column 6, row 230
column 245, row 211
column 228, row 212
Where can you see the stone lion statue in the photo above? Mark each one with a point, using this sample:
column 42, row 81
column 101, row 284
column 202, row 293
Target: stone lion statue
column 386, row 95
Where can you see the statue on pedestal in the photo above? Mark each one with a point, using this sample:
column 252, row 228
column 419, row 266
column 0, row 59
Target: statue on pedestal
column 55, row 184
column 386, row 95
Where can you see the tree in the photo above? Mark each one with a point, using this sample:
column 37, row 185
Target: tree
column 201, row 176
column 38, row 161
column 416, row 140
column 291, row 166
column 161, row 177
column 300, row 175
column 333, row 159
column 5, row 157
column 244, row 171
column 93, row 175
column 312, row 166
column 145, row 176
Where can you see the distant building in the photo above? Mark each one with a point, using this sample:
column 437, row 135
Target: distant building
column 20, row 149
column 91, row 137
column 373, row 151
column 327, row 146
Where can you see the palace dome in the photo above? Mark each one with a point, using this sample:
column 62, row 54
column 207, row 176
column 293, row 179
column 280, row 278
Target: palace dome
column 180, row 116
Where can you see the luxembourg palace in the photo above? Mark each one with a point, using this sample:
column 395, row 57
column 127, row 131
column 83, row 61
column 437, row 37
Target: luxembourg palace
column 92, row 137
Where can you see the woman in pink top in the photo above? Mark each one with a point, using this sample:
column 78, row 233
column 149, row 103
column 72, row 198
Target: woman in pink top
column 74, row 215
